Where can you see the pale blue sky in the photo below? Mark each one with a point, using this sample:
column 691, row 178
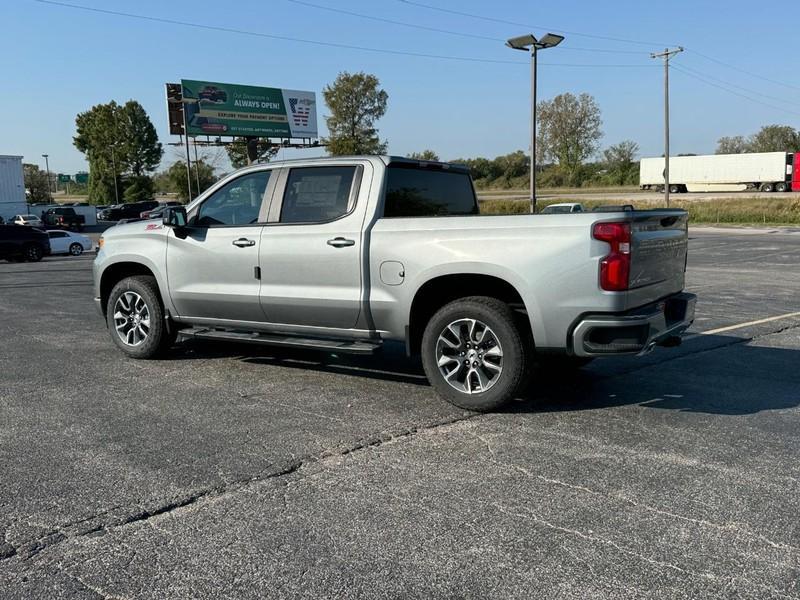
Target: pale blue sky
column 58, row 61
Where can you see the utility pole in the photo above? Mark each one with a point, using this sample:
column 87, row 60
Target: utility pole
column 49, row 183
column 533, row 128
column 667, row 54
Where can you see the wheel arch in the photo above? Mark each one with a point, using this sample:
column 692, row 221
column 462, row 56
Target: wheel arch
column 442, row 289
column 116, row 272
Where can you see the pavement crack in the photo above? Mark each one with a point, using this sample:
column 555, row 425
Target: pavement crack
column 734, row 528
column 91, row 526
column 590, row 537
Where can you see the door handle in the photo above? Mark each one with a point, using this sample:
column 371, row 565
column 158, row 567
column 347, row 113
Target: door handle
column 243, row 242
column 340, row 242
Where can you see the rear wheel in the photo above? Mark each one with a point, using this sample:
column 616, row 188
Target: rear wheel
column 135, row 318
column 781, row 186
column 674, row 189
column 767, row 187
column 473, row 353
column 33, row 253
column 76, row 249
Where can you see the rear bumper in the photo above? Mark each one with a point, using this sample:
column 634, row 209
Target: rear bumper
column 633, row 332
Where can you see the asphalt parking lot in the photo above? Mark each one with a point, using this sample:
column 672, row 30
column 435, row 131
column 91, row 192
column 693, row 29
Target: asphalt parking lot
column 230, row 471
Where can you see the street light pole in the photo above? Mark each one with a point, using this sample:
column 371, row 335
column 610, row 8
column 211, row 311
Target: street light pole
column 666, row 55
column 49, row 183
column 529, row 43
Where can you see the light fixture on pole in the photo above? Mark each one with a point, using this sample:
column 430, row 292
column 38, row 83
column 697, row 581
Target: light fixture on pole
column 529, row 43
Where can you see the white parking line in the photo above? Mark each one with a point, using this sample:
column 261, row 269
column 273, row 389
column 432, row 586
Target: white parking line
column 742, row 325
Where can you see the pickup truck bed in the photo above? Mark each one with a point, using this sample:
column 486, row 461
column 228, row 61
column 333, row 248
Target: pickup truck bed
column 343, row 254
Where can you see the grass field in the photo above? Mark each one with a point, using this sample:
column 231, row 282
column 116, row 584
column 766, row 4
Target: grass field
column 738, row 211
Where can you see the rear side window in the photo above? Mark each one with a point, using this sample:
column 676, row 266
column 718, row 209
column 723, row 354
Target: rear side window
column 56, row 234
column 416, row 192
column 317, row 194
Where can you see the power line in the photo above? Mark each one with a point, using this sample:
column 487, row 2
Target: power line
column 739, row 87
column 735, row 93
column 518, row 24
column 447, row 31
column 746, row 72
column 319, row 42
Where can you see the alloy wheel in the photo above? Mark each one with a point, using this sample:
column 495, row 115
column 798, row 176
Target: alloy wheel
column 469, row 356
column 131, row 318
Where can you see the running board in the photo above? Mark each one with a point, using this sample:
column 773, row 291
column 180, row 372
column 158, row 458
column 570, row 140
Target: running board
column 286, row 341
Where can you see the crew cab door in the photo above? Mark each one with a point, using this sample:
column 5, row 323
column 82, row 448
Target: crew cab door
column 312, row 247
column 212, row 263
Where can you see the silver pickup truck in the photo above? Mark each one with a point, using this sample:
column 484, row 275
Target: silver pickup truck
column 345, row 254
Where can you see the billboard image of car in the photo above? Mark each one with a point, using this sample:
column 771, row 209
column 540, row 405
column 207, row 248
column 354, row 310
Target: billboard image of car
column 213, row 108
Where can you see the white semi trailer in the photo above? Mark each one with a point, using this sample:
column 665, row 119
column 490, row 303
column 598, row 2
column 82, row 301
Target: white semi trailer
column 12, row 187
column 763, row 171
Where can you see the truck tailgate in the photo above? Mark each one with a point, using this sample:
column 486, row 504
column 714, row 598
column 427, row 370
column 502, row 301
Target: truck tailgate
column 659, row 244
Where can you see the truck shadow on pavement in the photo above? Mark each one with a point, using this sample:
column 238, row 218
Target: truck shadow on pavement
column 714, row 375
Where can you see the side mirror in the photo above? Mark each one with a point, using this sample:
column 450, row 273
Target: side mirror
column 175, row 217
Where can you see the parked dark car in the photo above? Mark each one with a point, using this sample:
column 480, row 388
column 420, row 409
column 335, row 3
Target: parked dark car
column 158, row 211
column 64, row 217
column 22, row 242
column 127, row 211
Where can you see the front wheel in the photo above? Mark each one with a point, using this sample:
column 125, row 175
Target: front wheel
column 76, row 249
column 33, row 253
column 135, row 318
column 473, row 353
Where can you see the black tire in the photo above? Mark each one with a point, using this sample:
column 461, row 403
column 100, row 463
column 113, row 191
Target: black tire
column 674, row 189
column 33, row 252
column 781, row 186
column 158, row 340
column 499, row 317
column 75, row 249
column 767, row 187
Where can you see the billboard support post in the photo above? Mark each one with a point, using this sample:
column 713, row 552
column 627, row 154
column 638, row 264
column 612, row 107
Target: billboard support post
column 196, row 168
column 188, row 163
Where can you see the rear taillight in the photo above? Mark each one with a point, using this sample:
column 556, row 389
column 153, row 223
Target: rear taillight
column 615, row 268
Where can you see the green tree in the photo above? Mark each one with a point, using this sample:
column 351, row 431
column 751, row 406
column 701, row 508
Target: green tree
column 137, row 188
column 141, row 151
column 736, row 144
column 424, row 155
column 175, row 177
column 36, row 183
column 237, row 151
column 775, row 138
column 569, row 131
column 356, row 102
column 120, row 143
column 620, row 162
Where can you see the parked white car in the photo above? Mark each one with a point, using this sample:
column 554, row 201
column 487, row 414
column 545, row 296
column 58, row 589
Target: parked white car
column 563, row 208
column 31, row 220
column 68, row 242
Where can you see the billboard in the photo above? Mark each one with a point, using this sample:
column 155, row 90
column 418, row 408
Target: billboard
column 213, row 108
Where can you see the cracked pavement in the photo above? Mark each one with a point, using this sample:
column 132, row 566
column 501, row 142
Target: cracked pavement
column 244, row 472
